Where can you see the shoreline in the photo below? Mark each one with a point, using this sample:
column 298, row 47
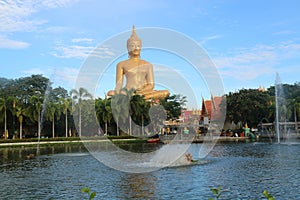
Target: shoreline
column 213, row 139
column 12, row 143
column 117, row 140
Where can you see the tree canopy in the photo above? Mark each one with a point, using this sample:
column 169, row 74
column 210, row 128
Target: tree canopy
column 41, row 110
column 253, row 106
column 31, row 104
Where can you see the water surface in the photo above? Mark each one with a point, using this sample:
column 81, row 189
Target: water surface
column 243, row 170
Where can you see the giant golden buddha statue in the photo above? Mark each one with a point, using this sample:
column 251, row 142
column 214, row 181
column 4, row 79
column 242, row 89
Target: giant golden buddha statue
column 138, row 73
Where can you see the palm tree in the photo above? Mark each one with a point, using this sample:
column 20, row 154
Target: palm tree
column 139, row 110
column 104, row 112
column 3, row 109
column 297, row 109
column 120, row 105
column 116, row 117
column 79, row 95
column 12, row 109
column 65, row 105
column 50, row 114
column 34, row 111
column 20, row 113
column 145, row 106
column 119, row 109
column 4, row 102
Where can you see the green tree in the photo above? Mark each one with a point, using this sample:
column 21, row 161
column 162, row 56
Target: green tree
column 34, row 111
column 88, row 124
column 120, row 110
column 290, row 95
column 65, row 106
column 103, row 112
column 139, row 111
column 78, row 96
column 7, row 105
column 293, row 108
column 120, row 107
column 4, row 114
column 58, row 93
column 297, row 110
column 20, row 113
column 12, row 108
column 158, row 115
column 174, row 104
column 52, row 110
column 24, row 88
column 248, row 106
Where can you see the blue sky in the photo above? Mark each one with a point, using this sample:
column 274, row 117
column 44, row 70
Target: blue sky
column 248, row 41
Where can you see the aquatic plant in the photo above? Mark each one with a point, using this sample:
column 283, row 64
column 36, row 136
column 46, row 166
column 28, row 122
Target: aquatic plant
column 216, row 191
column 91, row 194
column 268, row 196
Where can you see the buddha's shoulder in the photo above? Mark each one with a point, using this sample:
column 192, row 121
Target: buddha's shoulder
column 144, row 62
column 123, row 62
column 129, row 62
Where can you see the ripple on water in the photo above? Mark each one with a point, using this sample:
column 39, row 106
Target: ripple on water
column 242, row 170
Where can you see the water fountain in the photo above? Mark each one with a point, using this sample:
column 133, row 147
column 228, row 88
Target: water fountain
column 278, row 91
column 42, row 115
column 283, row 130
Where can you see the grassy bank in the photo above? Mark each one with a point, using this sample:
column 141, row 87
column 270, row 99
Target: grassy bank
column 57, row 140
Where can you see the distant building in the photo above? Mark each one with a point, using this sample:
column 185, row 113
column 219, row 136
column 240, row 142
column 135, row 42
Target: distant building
column 261, row 89
column 211, row 110
column 190, row 116
column 196, row 118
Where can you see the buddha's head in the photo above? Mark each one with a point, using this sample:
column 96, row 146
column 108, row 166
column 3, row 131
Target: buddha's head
column 134, row 44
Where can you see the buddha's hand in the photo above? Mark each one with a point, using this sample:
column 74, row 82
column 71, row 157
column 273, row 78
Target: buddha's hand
column 139, row 91
column 144, row 89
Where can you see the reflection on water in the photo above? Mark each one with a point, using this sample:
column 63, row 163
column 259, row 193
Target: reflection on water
column 141, row 186
column 243, row 170
column 11, row 155
column 139, row 147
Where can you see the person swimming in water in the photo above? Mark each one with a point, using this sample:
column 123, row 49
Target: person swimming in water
column 189, row 157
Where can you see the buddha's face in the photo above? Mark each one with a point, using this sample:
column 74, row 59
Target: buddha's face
column 134, row 48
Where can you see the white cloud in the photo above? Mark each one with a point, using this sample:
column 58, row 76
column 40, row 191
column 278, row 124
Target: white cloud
column 81, row 52
column 54, row 29
column 12, row 44
column 73, row 51
column 247, row 64
column 284, row 32
column 16, row 16
column 59, row 76
column 56, row 3
column 75, row 40
column 81, row 48
column 36, row 71
column 208, row 38
column 65, row 77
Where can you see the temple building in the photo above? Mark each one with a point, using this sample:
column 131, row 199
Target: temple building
column 211, row 110
column 190, row 116
column 199, row 119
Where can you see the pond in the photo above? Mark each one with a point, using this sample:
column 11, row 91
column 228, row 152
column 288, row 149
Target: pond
column 243, row 170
